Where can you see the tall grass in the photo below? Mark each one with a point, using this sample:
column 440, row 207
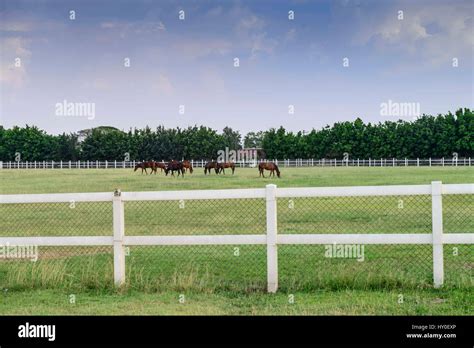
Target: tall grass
column 208, row 269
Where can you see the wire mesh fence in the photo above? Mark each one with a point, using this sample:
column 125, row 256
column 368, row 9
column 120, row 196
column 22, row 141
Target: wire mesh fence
column 458, row 217
column 203, row 267
column 56, row 219
column 313, row 266
column 378, row 214
column 193, row 217
column 56, row 266
column 310, row 267
column 69, row 267
column 458, row 213
column 459, row 265
column 240, row 267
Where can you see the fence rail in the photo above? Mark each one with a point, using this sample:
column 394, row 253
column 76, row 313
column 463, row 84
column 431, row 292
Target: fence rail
column 271, row 238
column 325, row 162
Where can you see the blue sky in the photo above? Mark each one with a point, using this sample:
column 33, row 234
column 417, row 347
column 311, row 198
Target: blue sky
column 190, row 62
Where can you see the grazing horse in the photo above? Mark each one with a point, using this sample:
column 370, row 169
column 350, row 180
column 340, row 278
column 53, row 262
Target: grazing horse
column 175, row 166
column 272, row 167
column 220, row 167
column 187, row 165
column 157, row 165
column 143, row 166
column 209, row 166
column 140, row 165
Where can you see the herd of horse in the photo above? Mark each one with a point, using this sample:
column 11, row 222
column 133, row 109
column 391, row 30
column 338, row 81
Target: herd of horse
column 182, row 167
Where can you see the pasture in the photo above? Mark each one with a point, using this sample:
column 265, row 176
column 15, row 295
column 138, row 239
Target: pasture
column 231, row 279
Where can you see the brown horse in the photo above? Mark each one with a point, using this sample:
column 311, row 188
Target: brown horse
column 272, row 167
column 143, row 166
column 220, row 167
column 174, row 166
column 209, row 166
column 187, row 165
column 157, row 165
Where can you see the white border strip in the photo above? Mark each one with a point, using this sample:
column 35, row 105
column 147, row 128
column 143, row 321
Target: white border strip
column 243, row 239
column 196, row 240
column 58, row 197
column 57, row 241
column 408, row 238
column 395, row 190
column 458, row 238
column 457, row 189
column 196, row 194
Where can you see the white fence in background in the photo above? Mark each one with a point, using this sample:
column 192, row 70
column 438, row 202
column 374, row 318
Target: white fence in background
column 324, row 162
column 271, row 239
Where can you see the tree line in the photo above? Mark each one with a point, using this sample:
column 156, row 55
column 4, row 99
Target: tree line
column 427, row 136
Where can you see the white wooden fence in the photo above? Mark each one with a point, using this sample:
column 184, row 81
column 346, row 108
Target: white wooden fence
column 324, row 162
column 271, row 239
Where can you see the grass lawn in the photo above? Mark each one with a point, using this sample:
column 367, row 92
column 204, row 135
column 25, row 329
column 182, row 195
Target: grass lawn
column 319, row 302
column 231, row 279
column 102, row 180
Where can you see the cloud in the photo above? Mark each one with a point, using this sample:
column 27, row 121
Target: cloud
column 162, row 85
column 126, row 29
column 9, row 25
column 108, row 25
column 15, row 23
column 15, row 47
column 250, row 23
column 12, row 76
column 99, row 84
column 437, row 32
column 251, row 34
column 262, row 44
column 200, row 47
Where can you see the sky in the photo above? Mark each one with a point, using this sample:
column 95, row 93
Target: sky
column 137, row 63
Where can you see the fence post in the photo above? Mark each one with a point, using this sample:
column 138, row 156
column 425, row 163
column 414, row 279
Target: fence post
column 437, row 218
column 119, row 229
column 272, row 248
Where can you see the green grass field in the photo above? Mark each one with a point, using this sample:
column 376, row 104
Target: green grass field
column 232, row 279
